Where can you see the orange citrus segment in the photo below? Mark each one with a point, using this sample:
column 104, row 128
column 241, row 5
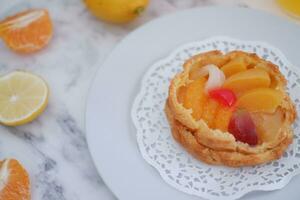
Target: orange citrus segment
column 14, row 181
column 209, row 111
column 246, row 80
column 222, row 118
column 27, row 31
column 194, row 97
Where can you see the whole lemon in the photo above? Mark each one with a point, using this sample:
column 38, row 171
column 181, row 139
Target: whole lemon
column 116, row 11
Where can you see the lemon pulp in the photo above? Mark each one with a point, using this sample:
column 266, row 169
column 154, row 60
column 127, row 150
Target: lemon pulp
column 23, row 96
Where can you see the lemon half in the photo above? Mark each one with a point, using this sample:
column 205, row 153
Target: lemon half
column 23, row 97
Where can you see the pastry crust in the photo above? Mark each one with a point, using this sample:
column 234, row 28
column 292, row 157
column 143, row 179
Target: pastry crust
column 215, row 146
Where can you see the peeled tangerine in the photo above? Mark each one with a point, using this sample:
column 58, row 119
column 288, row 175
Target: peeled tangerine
column 234, row 66
column 260, row 100
column 14, row 181
column 247, row 80
column 28, row 31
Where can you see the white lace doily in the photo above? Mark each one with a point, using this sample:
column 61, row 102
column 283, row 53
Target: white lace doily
column 174, row 164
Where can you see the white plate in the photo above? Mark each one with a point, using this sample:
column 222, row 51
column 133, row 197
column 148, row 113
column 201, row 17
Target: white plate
column 110, row 131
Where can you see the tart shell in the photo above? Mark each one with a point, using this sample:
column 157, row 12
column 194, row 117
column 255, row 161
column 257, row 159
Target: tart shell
column 214, row 146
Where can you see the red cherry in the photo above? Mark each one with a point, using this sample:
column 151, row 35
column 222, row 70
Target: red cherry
column 224, row 96
column 242, row 127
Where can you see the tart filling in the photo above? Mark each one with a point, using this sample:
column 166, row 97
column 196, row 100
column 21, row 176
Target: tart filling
column 234, row 102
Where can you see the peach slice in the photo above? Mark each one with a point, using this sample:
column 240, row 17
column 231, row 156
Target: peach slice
column 275, row 79
column 247, row 80
column 195, row 97
column 234, row 66
column 260, row 100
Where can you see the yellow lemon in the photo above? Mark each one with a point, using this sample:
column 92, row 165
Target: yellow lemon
column 23, row 97
column 116, row 11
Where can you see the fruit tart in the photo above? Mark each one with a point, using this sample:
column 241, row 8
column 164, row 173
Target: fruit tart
column 231, row 109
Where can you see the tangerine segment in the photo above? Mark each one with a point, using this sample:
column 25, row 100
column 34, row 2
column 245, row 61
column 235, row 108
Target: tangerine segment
column 247, row 80
column 14, row 181
column 209, row 111
column 234, row 66
column 260, row 100
column 194, row 97
column 27, row 31
column 222, row 118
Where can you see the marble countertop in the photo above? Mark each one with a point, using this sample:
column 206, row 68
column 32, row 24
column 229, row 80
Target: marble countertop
column 53, row 148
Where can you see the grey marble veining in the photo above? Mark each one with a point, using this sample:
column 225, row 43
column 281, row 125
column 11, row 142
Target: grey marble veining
column 53, row 147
